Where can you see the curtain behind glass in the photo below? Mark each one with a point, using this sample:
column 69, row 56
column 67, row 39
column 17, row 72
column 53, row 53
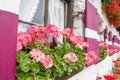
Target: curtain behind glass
column 31, row 11
column 56, row 14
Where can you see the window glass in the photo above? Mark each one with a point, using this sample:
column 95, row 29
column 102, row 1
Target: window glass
column 56, row 14
column 31, row 11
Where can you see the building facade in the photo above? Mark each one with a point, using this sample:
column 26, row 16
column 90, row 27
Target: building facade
column 84, row 16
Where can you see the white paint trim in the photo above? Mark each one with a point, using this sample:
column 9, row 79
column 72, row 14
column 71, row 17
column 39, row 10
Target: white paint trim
column 92, row 3
column 10, row 6
column 91, row 34
column 116, row 44
column 107, row 40
column 109, row 43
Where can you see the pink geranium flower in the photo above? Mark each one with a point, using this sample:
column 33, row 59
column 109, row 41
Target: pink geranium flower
column 25, row 41
column 37, row 54
column 103, row 44
column 44, row 41
column 70, row 57
column 47, row 61
column 33, row 29
column 20, row 35
column 76, row 40
column 68, row 32
column 114, row 48
column 85, row 44
column 37, row 32
column 25, row 38
column 19, row 45
column 109, row 51
column 116, row 61
column 29, row 37
column 90, row 57
column 52, row 30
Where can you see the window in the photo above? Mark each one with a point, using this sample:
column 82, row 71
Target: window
column 44, row 12
column 59, row 14
column 31, row 12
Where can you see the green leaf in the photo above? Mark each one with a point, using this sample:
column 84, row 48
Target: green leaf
column 28, row 76
column 19, row 55
column 25, row 68
column 103, row 53
column 34, row 67
column 25, row 63
column 69, row 70
column 39, row 77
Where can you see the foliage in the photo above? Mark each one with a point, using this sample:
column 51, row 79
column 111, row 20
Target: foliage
column 116, row 68
column 103, row 53
column 103, row 49
column 39, row 59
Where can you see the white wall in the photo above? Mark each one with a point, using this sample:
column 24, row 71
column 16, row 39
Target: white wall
column 10, row 5
column 105, row 66
column 78, row 11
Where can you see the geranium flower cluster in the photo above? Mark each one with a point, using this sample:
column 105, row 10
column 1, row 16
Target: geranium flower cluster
column 109, row 77
column 37, row 33
column 110, row 49
column 70, row 57
column 40, row 34
column 116, row 68
column 37, row 55
column 75, row 39
column 90, row 57
column 112, row 9
column 41, row 57
column 116, row 61
column 23, row 39
column 113, row 49
column 103, row 44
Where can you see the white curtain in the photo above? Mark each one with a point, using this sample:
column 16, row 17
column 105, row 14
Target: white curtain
column 56, row 14
column 27, row 12
column 28, row 9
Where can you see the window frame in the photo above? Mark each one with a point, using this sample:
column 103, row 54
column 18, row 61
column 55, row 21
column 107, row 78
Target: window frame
column 45, row 16
column 68, row 13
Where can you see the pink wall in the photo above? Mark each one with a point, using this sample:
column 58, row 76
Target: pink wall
column 92, row 23
column 8, row 35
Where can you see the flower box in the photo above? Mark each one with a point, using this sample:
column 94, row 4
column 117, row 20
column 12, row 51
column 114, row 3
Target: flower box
column 39, row 59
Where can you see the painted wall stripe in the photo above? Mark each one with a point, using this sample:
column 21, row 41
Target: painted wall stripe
column 116, row 44
column 92, row 29
column 8, row 36
column 91, row 34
